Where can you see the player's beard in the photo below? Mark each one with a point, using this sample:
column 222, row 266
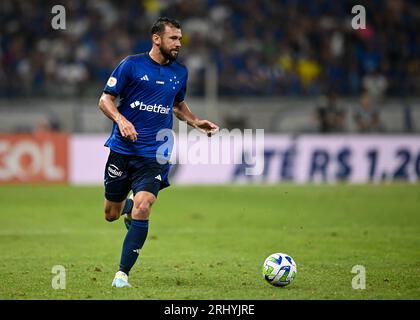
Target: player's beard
column 170, row 55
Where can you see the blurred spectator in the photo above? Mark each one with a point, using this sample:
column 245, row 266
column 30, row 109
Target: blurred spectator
column 47, row 125
column 375, row 83
column 366, row 115
column 235, row 119
column 408, row 117
column 330, row 114
column 261, row 47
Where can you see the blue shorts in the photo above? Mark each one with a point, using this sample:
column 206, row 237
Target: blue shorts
column 126, row 172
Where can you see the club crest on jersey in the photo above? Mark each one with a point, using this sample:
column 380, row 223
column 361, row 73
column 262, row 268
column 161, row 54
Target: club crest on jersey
column 112, row 82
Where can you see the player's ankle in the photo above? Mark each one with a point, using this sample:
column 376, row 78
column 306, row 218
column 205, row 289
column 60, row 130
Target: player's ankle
column 124, row 271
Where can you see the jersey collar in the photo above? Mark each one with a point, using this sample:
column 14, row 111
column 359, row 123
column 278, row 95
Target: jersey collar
column 156, row 63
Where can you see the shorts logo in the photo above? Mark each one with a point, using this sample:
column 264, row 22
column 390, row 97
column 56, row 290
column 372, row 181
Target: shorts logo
column 112, row 82
column 113, row 171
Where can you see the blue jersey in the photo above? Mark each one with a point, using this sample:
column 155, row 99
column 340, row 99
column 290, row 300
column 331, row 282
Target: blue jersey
column 147, row 92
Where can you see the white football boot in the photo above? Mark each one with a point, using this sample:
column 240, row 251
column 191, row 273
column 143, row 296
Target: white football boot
column 121, row 280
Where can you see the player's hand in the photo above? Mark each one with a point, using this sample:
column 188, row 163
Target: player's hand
column 127, row 129
column 207, row 127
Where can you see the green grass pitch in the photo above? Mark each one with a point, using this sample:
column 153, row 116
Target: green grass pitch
column 210, row 242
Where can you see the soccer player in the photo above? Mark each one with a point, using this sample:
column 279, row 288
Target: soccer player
column 151, row 86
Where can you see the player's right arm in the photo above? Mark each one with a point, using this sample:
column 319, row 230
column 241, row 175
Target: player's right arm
column 108, row 107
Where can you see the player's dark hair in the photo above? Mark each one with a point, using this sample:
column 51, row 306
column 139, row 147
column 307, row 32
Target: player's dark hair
column 159, row 26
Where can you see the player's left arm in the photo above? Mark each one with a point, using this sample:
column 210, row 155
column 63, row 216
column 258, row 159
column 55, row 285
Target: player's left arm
column 183, row 113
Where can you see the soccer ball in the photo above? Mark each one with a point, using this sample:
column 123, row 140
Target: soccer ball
column 279, row 269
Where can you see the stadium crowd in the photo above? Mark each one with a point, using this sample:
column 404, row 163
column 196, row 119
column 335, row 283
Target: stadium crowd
column 260, row 48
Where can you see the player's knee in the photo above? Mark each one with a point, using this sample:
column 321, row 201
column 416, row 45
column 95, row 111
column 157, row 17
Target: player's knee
column 110, row 218
column 142, row 210
column 111, row 214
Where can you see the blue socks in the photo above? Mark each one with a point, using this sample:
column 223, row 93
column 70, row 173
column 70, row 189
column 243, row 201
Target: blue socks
column 133, row 242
